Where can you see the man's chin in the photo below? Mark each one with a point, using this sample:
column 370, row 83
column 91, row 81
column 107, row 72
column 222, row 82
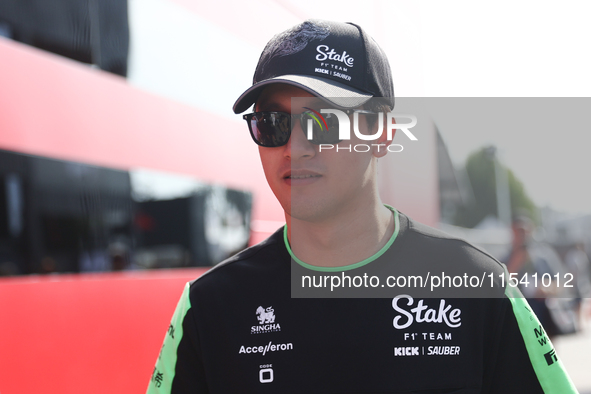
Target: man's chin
column 307, row 211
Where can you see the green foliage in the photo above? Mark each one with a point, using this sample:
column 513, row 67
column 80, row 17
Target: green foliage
column 481, row 172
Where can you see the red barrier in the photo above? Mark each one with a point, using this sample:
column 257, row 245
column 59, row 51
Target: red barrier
column 91, row 333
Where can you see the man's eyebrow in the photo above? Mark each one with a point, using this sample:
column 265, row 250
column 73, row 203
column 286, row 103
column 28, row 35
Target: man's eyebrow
column 271, row 105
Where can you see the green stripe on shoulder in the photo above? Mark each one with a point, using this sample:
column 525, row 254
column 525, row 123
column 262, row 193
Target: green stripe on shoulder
column 163, row 375
column 547, row 366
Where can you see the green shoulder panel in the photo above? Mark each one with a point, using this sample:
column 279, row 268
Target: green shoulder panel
column 163, row 375
column 547, row 366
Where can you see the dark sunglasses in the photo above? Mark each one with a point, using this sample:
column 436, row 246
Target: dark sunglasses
column 272, row 129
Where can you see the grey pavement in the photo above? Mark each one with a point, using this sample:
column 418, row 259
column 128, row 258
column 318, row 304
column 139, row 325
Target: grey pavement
column 575, row 353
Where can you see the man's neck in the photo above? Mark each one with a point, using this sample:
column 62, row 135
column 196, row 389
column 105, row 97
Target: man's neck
column 347, row 238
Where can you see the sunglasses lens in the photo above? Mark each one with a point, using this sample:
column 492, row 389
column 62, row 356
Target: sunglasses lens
column 325, row 129
column 270, row 129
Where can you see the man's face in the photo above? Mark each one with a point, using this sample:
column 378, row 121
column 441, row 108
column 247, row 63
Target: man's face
column 310, row 184
column 522, row 232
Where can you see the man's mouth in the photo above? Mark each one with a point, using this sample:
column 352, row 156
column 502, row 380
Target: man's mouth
column 303, row 176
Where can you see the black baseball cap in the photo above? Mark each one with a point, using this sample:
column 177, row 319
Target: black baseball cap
column 333, row 60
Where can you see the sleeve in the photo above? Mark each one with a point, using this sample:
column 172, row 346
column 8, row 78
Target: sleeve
column 526, row 361
column 179, row 367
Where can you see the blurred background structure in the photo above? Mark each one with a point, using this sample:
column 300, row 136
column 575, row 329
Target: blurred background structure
column 93, row 32
column 119, row 152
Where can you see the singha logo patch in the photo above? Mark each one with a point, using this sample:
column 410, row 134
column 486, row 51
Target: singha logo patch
column 265, row 316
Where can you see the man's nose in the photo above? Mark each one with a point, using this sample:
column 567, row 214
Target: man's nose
column 298, row 145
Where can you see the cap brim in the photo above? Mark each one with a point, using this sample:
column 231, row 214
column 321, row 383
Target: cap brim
column 334, row 92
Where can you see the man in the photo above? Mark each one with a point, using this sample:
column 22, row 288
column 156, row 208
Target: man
column 238, row 329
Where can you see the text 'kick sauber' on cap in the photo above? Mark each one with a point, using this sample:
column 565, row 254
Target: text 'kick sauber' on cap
column 333, row 60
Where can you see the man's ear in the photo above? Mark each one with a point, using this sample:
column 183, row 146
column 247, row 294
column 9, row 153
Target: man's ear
column 380, row 147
